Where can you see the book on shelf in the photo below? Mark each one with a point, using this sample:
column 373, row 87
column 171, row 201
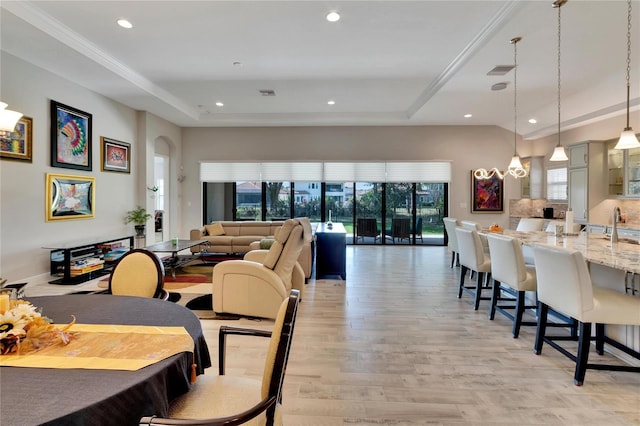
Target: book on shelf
column 85, row 270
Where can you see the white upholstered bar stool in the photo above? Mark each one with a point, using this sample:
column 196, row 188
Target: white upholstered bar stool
column 450, row 225
column 564, row 285
column 530, row 224
column 469, row 224
column 512, row 276
column 473, row 257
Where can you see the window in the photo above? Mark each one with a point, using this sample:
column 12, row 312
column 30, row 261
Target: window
column 557, row 184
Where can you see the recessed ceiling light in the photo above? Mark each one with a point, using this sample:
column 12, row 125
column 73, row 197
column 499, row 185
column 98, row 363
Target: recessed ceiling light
column 219, row 104
column 468, row 115
column 333, row 16
column 124, row 23
column 331, row 102
column 533, row 121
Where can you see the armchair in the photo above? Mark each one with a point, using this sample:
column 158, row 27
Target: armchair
column 257, row 285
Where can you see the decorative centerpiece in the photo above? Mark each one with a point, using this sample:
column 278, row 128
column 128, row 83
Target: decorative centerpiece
column 23, row 328
column 495, row 228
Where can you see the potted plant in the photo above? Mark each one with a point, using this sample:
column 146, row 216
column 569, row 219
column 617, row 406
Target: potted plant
column 139, row 217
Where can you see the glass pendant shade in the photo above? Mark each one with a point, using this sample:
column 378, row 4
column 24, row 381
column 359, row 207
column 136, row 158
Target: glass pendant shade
column 627, row 140
column 515, row 168
column 515, row 163
column 8, row 118
column 559, row 154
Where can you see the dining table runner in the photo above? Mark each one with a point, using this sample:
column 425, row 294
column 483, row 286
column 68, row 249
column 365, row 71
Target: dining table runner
column 108, row 347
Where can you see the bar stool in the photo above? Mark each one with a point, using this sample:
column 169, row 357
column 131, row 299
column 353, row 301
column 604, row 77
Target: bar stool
column 530, row 224
column 511, row 275
column 450, row 225
column 564, row 285
column 473, row 257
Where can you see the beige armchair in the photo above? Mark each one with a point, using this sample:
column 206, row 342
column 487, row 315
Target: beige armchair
column 257, row 285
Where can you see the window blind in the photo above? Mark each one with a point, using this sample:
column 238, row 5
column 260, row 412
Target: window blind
column 354, row 172
column 557, row 184
column 291, row 172
column 425, row 171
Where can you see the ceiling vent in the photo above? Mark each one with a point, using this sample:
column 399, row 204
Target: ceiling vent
column 499, row 86
column 267, row 92
column 501, row 69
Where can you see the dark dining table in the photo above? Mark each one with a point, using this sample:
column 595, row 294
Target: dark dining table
column 30, row 396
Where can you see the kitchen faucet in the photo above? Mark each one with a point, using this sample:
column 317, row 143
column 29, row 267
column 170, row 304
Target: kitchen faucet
column 615, row 218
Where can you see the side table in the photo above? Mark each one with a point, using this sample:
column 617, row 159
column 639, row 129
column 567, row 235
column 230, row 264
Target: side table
column 331, row 250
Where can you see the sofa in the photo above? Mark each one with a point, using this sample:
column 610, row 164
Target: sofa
column 235, row 237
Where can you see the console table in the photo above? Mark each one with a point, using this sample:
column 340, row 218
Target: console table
column 331, row 250
column 78, row 262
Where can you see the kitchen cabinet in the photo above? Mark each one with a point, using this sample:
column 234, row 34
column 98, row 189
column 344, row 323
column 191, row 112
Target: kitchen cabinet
column 623, row 171
column 587, row 185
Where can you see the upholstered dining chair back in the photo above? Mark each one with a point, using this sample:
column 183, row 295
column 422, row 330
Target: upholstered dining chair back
column 450, row 225
column 138, row 272
column 564, row 282
column 507, row 263
column 530, row 224
column 471, row 250
column 220, row 399
column 469, row 224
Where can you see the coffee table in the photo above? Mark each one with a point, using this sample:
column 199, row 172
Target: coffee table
column 175, row 261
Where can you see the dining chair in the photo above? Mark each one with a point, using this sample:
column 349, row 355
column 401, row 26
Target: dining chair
column 469, row 224
column 234, row 400
column 138, row 272
column 510, row 275
column 526, row 224
column 450, row 225
column 473, row 258
column 565, row 285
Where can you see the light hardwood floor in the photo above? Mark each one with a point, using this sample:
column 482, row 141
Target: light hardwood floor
column 393, row 345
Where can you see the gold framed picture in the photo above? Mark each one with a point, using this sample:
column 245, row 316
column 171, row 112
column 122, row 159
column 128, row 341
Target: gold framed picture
column 69, row 197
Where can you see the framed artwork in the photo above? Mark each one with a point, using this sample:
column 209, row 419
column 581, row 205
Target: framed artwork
column 115, row 156
column 487, row 195
column 69, row 197
column 70, row 137
column 18, row 144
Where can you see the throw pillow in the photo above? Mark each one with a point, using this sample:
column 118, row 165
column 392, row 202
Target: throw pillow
column 266, row 243
column 214, row 229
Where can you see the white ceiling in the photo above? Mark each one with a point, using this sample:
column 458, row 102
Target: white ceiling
column 384, row 62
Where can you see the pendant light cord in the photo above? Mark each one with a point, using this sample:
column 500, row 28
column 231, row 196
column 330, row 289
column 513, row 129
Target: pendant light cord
column 628, row 59
column 515, row 95
column 559, row 26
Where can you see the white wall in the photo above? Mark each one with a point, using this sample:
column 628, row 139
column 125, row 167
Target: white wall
column 468, row 147
column 23, row 229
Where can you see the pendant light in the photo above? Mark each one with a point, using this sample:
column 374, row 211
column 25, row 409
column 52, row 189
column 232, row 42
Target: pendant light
column 515, row 168
column 628, row 139
column 558, row 152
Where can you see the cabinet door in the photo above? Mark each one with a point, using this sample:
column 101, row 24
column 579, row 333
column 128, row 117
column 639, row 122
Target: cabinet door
column 578, row 155
column 578, row 190
column 525, row 182
column 615, row 169
column 633, row 172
